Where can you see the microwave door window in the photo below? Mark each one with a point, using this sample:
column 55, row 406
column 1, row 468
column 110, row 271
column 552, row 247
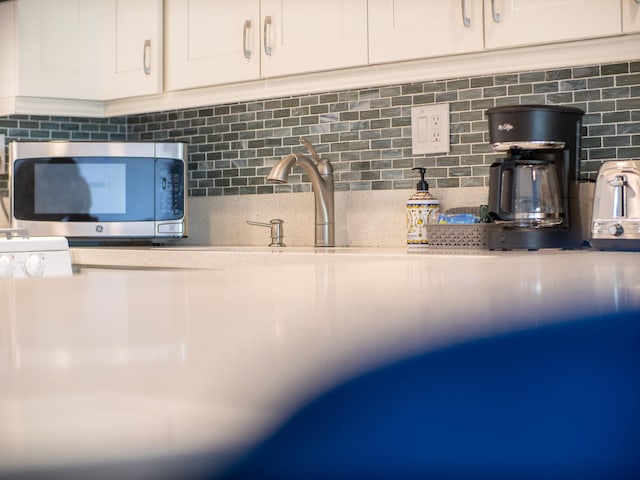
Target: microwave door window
column 107, row 186
column 62, row 191
column 84, row 189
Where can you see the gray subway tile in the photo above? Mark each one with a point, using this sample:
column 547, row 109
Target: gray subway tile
column 614, row 68
column 546, row 87
column 482, row 82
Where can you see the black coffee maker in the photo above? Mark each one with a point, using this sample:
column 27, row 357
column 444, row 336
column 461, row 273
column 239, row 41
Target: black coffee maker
column 533, row 190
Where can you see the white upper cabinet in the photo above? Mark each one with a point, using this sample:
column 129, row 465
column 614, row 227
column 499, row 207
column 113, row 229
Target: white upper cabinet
column 510, row 23
column 301, row 36
column 88, row 49
column 212, row 42
column 58, row 48
column 411, row 29
column 132, row 51
column 8, row 57
column 209, row 42
column 631, row 16
column 112, row 57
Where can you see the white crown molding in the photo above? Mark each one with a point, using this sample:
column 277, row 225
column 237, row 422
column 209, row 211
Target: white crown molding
column 52, row 107
column 7, row 106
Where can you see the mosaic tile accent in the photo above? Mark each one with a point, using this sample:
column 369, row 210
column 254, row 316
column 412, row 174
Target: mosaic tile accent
column 366, row 133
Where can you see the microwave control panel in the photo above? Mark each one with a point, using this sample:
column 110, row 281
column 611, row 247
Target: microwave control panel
column 169, row 189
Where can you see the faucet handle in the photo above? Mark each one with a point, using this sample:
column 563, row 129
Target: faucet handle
column 308, row 146
column 277, row 231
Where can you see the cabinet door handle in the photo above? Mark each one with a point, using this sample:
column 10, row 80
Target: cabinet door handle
column 267, row 35
column 146, row 57
column 466, row 21
column 247, row 51
column 494, row 14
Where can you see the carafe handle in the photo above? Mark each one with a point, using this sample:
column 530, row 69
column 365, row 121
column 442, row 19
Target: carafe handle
column 500, row 193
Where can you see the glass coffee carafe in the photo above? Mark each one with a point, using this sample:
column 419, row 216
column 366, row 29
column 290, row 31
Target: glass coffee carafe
column 528, row 193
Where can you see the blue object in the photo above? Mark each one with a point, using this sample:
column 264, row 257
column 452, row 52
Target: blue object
column 560, row 401
column 458, row 218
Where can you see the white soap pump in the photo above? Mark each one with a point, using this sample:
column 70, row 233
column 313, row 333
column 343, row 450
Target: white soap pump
column 422, row 208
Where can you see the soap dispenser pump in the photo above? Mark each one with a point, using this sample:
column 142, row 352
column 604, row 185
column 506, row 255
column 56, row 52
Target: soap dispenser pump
column 422, row 208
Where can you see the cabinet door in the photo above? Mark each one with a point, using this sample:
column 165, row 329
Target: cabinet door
column 525, row 22
column 8, row 56
column 132, row 51
column 631, row 16
column 210, row 42
column 58, row 48
column 410, row 29
column 301, row 36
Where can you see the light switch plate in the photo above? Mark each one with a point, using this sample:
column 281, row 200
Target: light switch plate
column 430, row 129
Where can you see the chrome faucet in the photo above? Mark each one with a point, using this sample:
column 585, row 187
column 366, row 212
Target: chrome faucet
column 321, row 176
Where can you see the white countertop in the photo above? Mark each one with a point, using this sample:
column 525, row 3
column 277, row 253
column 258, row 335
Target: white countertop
column 210, row 354
column 223, row 256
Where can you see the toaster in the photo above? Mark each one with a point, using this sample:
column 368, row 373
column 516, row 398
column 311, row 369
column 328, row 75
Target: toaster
column 615, row 224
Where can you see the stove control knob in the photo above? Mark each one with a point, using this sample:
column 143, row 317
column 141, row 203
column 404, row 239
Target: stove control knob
column 34, row 265
column 616, row 230
column 7, row 266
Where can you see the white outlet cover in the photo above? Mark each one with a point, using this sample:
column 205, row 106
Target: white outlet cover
column 430, row 129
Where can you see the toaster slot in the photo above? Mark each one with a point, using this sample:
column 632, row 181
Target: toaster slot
column 619, row 184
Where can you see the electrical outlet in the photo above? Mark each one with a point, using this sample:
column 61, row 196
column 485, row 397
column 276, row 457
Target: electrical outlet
column 430, row 129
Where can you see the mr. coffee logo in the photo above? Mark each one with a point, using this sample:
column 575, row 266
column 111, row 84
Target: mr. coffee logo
column 505, row 127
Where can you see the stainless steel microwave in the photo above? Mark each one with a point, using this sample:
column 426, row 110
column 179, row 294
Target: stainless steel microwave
column 99, row 190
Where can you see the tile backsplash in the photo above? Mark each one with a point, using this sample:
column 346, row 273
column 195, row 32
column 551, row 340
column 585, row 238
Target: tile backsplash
column 366, row 133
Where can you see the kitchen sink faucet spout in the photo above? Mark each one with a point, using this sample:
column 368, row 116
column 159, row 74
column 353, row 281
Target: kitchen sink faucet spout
column 321, row 176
